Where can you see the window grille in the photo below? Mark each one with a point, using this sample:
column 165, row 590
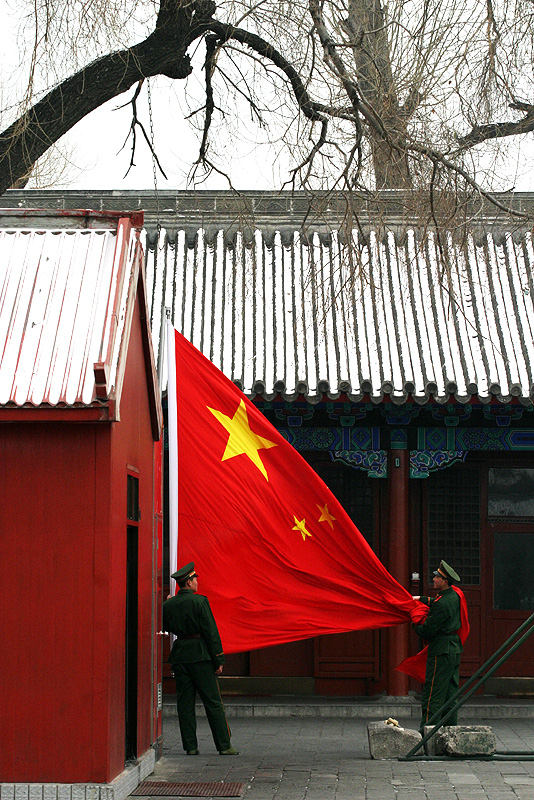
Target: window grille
column 453, row 522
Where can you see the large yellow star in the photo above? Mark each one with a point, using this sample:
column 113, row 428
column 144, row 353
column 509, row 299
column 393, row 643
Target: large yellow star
column 300, row 525
column 241, row 439
column 326, row 516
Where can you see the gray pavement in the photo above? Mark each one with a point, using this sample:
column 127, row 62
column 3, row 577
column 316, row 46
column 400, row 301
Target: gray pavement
column 312, row 756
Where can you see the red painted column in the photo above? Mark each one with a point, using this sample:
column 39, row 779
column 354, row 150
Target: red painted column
column 398, row 564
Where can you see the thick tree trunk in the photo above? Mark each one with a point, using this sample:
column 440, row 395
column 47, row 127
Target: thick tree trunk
column 370, row 46
column 164, row 52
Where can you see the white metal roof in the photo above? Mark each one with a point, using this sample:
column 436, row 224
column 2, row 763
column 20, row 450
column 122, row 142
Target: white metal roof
column 63, row 295
column 382, row 316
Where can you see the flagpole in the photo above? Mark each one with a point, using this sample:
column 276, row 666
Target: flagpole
column 172, row 423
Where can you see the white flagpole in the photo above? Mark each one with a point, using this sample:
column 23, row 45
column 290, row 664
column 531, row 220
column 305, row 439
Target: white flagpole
column 173, row 455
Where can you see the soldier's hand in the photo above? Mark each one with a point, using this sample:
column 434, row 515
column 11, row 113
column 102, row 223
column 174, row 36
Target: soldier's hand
column 416, row 596
column 218, row 671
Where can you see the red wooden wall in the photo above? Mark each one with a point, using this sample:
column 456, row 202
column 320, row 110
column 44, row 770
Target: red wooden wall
column 63, row 576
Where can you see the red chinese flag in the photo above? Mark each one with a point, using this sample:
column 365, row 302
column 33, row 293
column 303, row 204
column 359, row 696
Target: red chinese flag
column 277, row 555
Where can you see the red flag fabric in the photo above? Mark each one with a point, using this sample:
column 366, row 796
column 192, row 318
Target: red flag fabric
column 415, row 666
column 277, row 555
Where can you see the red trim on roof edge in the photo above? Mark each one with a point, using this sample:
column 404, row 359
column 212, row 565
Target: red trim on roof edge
column 88, row 216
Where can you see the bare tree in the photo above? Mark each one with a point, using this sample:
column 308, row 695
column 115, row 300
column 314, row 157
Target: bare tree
column 412, row 94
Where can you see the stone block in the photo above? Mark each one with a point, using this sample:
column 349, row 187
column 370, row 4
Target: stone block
column 461, row 741
column 436, row 744
column 49, row 791
column 433, row 747
column 390, row 741
column 64, row 791
column 78, row 791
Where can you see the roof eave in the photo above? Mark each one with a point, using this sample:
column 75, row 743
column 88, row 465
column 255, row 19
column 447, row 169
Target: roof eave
column 137, row 287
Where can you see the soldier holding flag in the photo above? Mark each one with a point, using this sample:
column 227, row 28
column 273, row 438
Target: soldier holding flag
column 440, row 630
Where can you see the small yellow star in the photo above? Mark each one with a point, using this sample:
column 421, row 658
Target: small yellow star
column 326, row 516
column 241, row 439
column 301, row 526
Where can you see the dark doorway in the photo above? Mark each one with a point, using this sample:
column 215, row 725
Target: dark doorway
column 131, row 644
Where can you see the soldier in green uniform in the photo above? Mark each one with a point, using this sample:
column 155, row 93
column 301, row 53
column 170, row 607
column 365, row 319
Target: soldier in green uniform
column 440, row 630
column 196, row 659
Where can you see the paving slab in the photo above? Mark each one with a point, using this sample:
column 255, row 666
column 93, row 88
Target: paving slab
column 321, row 757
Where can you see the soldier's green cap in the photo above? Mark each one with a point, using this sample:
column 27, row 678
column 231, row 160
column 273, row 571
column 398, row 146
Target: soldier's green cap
column 447, row 572
column 184, row 572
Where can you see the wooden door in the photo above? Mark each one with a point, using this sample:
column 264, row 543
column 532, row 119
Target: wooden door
column 349, row 663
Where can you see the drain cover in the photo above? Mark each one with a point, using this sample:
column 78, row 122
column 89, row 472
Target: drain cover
column 189, row 789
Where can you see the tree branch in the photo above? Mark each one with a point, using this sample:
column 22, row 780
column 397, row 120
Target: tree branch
column 435, row 157
column 312, row 110
column 164, row 52
column 499, row 130
column 136, row 122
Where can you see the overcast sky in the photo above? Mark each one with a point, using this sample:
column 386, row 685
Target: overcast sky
column 101, row 157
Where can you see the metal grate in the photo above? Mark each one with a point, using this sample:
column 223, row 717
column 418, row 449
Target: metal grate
column 189, row 789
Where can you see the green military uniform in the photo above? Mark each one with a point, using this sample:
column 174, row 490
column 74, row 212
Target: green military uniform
column 440, row 630
column 195, row 655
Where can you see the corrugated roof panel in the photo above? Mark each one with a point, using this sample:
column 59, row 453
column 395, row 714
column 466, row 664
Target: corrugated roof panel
column 387, row 323
column 248, row 257
column 369, row 304
column 425, row 265
column 453, row 318
column 299, row 324
column 523, row 306
column 240, row 302
column 218, row 301
column 290, row 348
column 510, row 332
column 376, row 315
column 444, row 312
column 56, row 305
column 360, row 368
column 418, row 303
column 464, row 315
column 269, row 347
column 404, row 312
column 319, row 310
column 120, row 310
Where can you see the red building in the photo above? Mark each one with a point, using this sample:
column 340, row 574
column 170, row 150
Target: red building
column 80, row 503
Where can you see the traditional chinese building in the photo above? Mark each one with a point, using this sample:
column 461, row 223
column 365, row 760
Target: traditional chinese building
column 399, row 362
column 80, row 506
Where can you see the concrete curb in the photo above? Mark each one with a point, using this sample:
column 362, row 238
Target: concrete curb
column 357, row 708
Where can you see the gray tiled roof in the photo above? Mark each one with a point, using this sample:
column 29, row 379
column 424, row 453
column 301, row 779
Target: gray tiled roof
column 314, row 314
